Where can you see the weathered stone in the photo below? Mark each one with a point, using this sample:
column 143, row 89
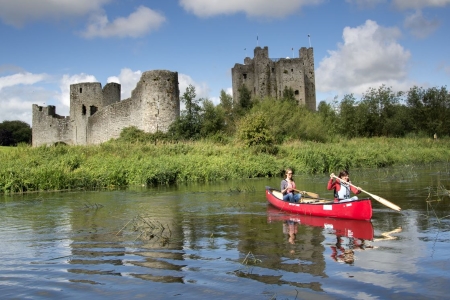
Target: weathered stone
column 266, row 77
column 97, row 115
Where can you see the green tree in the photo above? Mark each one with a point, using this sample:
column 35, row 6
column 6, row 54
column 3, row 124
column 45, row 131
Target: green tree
column 14, row 132
column 430, row 110
column 288, row 94
column 188, row 125
column 226, row 103
column 245, row 100
column 213, row 119
column 254, row 130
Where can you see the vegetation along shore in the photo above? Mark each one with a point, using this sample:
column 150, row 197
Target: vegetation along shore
column 245, row 139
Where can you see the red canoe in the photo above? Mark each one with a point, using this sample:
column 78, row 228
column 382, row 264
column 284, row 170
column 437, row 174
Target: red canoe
column 340, row 227
column 356, row 210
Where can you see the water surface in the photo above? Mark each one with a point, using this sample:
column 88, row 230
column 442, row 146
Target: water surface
column 223, row 240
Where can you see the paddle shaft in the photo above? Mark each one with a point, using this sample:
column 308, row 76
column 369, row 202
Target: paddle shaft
column 312, row 195
column 378, row 198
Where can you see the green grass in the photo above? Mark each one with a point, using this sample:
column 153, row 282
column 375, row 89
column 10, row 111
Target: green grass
column 118, row 164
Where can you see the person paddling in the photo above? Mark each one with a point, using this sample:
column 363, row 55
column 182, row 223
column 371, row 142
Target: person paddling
column 288, row 187
column 341, row 188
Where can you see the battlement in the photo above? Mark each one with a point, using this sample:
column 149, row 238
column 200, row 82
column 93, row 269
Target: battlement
column 268, row 77
column 97, row 114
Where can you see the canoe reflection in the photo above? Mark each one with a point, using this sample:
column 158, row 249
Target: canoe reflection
column 340, row 227
column 355, row 232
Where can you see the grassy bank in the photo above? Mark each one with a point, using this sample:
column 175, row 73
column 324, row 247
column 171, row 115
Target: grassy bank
column 118, row 164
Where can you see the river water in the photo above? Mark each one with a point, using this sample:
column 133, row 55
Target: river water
column 224, row 241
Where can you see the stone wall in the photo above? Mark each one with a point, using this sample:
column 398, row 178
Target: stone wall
column 264, row 76
column 97, row 115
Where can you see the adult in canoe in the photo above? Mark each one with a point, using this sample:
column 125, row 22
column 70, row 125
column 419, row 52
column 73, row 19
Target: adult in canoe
column 341, row 187
column 288, row 188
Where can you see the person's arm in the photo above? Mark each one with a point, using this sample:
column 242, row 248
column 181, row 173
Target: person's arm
column 331, row 184
column 355, row 189
column 283, row 187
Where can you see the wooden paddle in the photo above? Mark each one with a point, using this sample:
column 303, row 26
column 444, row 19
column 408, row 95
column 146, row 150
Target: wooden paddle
column 378, row 198
column 310, row 194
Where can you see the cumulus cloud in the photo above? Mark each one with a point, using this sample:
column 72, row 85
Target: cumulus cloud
column 138, row 23
column 419, row 4
column 19, row 12
column 64, row 84
column 128, row 80
column 369, row 57
column 252, row 8
column 21, row 79
column 419, row 26
column 18, row 92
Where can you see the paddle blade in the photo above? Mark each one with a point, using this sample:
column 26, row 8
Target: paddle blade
column 384, row 202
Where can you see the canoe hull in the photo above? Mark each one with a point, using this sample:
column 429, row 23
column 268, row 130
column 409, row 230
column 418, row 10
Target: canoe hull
column 355, row 210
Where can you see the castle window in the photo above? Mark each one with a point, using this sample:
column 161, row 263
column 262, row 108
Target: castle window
column 296, row 92
column 92, row 110
column 273, row 70
column 245, row 75
column 40, row 108
column 292, row 70
column 83, row 110
column 81, row 90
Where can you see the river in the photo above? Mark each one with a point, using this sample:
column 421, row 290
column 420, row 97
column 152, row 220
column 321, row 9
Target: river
column 222, row 240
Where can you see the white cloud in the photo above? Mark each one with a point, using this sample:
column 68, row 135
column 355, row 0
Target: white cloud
column 138, row 23
column 128, row 80
column 64, row 84
column 419, row 26
column 19, row 12
column 21, row 78
column 418, row 4
column 369, row 57
column 253, row 8
column 201, row 89
column 18, row 92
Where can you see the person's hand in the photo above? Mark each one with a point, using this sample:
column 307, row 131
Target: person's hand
column 332, row 175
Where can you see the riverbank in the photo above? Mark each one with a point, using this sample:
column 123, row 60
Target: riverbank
column 118, row 164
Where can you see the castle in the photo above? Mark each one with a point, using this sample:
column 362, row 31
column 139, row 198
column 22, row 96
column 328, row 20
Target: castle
column 97, row 115
column 266, row 77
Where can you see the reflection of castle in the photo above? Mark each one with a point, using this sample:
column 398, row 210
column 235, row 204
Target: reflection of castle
column 97, row 115
column 264, row 76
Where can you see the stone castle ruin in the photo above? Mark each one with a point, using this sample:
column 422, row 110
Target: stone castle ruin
column 97, row 115
column 268, row 77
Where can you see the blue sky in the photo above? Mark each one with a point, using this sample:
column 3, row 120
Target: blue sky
column 358, row 44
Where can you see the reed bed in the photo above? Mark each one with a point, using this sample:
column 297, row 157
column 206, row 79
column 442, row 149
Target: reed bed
column 118, row 164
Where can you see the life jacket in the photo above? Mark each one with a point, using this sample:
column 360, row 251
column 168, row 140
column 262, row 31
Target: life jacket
column 344, row 191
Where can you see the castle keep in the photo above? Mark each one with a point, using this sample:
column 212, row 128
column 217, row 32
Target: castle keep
column 268, row 77
column 97, row 115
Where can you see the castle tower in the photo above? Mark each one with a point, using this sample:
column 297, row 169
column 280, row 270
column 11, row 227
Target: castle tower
column 268, row 77
column 85, row 100
column 156, row 100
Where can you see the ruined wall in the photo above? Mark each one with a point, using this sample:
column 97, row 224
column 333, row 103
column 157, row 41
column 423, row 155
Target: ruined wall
column 264, row 76
column 97, row 115
column 49, row 127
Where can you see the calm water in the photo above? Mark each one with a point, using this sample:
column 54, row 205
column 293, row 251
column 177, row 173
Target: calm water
column 223, row 241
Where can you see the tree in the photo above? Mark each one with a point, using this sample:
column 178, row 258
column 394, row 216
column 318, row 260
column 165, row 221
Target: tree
column 14, row 132
column 188, row 125
column 288, row 94
column 213, row 120
column 245, row 100
column 226, row 104
column 430, row 110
